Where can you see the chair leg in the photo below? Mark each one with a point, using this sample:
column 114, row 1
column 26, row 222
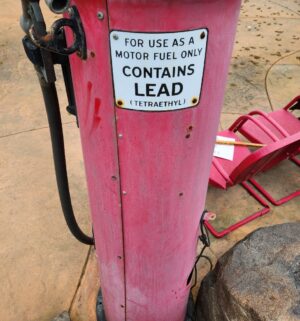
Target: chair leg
column 269, row 197
column 263, row 211
column 295, row 160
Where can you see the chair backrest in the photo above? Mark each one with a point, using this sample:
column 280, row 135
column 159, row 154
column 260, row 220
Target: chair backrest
column 261, row 159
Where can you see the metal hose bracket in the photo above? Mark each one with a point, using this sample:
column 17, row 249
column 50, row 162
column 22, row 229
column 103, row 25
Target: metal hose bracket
column 34, row 25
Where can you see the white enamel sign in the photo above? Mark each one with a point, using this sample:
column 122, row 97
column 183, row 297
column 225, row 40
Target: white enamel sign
column 158, row 71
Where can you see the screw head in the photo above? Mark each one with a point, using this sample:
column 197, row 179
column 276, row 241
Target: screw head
column 120, row 102
column 115, row 36
column 100, row 15
column 194, row 100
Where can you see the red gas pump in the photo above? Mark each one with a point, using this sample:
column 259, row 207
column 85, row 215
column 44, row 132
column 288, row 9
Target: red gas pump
column 148, row 80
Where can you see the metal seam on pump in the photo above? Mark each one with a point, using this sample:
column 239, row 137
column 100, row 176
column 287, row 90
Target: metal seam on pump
column 119, row 173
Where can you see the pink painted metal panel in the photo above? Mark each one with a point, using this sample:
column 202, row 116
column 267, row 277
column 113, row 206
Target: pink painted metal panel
column 245, row 165
column 95, row 105
column 165, row 159
column 259, row 160
column 281, row 123
column 146, row 238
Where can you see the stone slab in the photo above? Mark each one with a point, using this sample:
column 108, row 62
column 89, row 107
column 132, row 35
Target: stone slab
column 260, row 43
column 22, row 106
column 62, row 317
column 41, row 262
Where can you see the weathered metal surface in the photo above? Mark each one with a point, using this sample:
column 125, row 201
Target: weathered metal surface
column 148, row 171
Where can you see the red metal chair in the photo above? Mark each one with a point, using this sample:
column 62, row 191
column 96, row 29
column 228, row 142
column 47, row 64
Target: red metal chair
column 281, row 122
column 246, row 164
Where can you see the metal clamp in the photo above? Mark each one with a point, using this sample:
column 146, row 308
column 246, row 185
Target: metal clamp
column 33, row 24
column 51, row 41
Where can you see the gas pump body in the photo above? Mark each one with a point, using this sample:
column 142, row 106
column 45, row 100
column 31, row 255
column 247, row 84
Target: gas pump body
column 147, row 169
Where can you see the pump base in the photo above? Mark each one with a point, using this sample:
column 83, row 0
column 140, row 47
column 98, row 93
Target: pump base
column 100, row 308
column 101, row 315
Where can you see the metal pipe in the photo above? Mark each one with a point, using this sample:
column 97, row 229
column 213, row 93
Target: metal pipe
column 25, row 19
column 58, row 6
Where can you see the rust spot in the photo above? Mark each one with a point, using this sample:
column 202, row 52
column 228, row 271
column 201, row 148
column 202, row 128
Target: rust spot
column 47, row 38
column 120, row 102
column 189, row 131
column 194, row 100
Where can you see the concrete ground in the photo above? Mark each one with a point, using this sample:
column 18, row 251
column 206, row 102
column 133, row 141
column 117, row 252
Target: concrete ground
column 43, row 270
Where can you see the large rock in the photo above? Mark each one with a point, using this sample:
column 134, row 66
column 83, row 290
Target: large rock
column 257, row 280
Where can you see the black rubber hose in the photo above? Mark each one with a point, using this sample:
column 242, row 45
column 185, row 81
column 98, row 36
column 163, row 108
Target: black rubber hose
column 58, row 149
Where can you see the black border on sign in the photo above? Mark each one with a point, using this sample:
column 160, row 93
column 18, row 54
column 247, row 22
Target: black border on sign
column 165, row 32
